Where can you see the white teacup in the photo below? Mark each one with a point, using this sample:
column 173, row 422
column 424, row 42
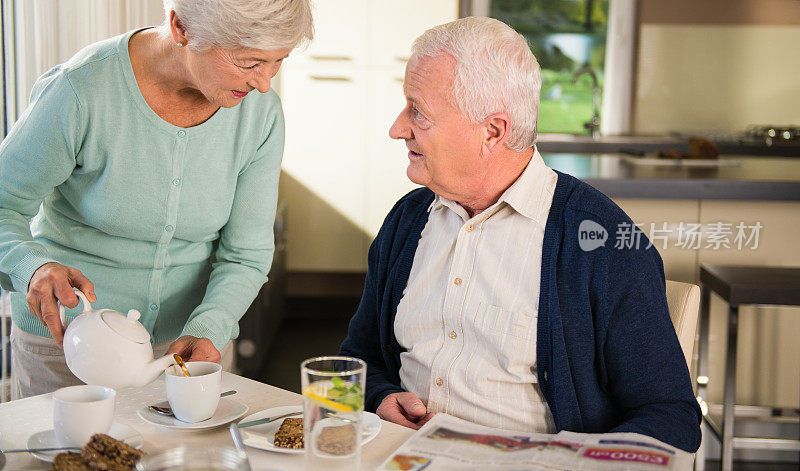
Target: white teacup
column 194, row 398
column 81, row 411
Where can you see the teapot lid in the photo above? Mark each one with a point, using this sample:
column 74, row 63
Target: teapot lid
column 128, row 326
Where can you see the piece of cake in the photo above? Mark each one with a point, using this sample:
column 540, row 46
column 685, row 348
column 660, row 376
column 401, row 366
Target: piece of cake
column 115, row 454
column 70, row 462
column 101, row 453
column 290, row 434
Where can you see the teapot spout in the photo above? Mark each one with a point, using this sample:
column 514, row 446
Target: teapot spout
column 154, row 369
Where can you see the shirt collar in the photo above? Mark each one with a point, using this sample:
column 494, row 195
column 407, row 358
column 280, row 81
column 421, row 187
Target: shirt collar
column 526, row 195
column 440, row 202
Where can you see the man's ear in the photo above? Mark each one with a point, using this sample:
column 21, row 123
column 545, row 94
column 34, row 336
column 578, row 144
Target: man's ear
column 176, row 28
column 497, row 127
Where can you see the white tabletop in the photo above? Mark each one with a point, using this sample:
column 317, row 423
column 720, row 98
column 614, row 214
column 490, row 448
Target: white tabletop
column 20, row 419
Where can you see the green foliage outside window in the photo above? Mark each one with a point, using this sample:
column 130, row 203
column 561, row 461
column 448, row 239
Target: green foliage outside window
column 564, row 35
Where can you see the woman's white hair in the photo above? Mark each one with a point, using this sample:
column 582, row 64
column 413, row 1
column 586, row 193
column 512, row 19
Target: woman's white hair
column 230, row 24
column 495, row 72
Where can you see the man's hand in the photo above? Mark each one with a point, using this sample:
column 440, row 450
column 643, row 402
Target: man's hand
column 194, row 349
column 52, row 283
column 405, row 409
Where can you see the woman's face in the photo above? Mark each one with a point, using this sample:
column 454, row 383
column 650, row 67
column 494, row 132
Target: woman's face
column 225, row 76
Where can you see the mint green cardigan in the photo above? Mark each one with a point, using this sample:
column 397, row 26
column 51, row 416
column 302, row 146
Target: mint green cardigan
column 174, row 222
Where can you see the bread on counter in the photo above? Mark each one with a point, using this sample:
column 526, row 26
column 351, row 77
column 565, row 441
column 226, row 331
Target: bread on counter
column 699, row 148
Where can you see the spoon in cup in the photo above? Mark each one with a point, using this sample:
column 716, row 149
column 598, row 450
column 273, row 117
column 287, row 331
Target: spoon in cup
column 180, row 363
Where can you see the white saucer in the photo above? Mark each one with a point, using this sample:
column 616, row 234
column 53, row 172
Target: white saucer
column 262, row 436
column 47, row 439
column 228, row 410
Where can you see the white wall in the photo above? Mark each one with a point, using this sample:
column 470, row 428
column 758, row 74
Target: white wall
column 717, row 78
column 49, row 32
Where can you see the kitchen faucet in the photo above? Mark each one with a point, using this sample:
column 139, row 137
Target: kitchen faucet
column 594, row 125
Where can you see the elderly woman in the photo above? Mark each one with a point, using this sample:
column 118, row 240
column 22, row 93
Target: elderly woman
column 149, row 163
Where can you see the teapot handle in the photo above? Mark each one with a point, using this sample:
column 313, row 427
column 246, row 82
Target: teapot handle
column 63, row 313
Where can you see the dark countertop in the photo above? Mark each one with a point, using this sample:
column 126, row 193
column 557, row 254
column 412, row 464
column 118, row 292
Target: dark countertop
column 754, row 178
column 566, row 143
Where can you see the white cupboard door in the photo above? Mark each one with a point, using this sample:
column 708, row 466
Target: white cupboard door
column 394, row 25
column 754, row 233
column 340, row 33
column 324, row 161
column 387, row 159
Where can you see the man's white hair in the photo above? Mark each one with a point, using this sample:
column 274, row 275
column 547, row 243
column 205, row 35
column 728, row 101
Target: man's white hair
column 231, row 24
column 495, row 72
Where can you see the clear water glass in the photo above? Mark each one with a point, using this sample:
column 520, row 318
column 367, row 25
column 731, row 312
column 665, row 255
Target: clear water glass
column 333, row 403
column 195, row 458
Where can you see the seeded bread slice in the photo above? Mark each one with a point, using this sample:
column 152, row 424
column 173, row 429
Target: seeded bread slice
column 70, row 462
column 104, row 453
column 290, row 434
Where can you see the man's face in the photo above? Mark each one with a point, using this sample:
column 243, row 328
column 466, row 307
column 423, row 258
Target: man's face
column 225, row 76
column 444, row 146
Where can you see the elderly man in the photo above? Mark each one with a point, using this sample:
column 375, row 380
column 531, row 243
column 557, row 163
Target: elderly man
column 479, row 300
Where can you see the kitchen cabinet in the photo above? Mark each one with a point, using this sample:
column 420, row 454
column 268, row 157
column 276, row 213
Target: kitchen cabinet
column 340, row 33
column 767, row 348
column 342, row 172
column 324, row 167
column 387, row 159
column 395, row 25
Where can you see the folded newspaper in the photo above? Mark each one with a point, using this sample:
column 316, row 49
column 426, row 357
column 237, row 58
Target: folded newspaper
column 449, row 443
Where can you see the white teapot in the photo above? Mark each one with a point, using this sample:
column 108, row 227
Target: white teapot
column 108, row 348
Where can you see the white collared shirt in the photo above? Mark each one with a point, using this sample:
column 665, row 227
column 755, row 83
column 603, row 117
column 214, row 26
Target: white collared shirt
column 468, row 314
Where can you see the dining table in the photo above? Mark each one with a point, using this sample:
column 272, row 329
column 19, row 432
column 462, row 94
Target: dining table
column 20, row 419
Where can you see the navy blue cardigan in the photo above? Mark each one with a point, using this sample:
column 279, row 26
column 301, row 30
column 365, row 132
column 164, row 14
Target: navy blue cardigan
column 608, row 358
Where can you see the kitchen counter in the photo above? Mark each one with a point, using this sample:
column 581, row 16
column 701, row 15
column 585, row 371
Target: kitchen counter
column 749, row 178
column 557, row 143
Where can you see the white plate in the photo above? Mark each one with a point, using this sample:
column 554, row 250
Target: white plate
column 228, row 410
column 262, row 436
column 47, row 439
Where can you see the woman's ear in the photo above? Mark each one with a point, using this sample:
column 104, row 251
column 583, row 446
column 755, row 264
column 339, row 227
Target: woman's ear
column 177, row 30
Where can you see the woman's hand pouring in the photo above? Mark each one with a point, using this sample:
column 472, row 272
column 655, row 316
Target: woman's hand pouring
column 52, row 283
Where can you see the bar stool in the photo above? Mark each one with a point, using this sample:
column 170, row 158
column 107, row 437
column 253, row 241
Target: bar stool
column 738, row 286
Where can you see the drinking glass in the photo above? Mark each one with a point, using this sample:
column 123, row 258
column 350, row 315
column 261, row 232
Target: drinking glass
column 195, row 458
column 333, row 402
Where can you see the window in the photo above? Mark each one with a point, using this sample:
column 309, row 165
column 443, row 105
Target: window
column 568, row 37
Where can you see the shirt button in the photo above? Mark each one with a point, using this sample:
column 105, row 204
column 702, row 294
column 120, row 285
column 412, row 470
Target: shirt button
column 457, row 281
column 181, row 133
column 469, row 228
column 176, row 181
column 169, row 228
column 453, row 334
column 153, row 307
column 545, row 375
column 439, row 381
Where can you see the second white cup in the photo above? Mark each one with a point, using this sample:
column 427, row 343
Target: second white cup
column 194, row 398
column 81, row 411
